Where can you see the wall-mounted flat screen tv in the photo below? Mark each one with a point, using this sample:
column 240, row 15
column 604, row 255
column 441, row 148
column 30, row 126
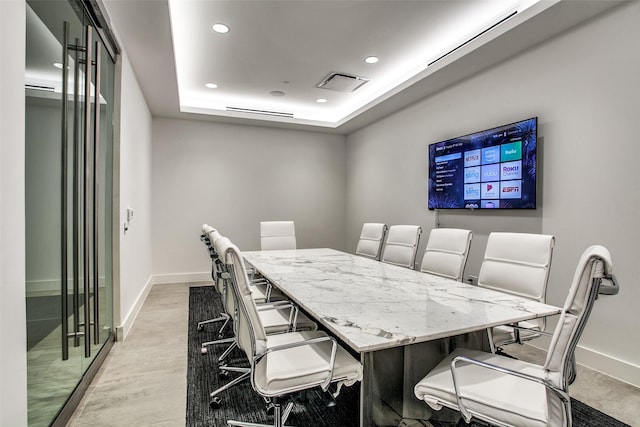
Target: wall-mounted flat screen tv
column 491, row 169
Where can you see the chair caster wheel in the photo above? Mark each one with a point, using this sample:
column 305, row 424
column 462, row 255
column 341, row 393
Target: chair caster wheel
column 220, row 336
column 203, row 350
column 200, row 327
column 270, row 409
column 223, row 374
column 215, row 403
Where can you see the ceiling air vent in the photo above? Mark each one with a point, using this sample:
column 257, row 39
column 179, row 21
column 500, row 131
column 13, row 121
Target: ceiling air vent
column 342, row 82
column 261, row 112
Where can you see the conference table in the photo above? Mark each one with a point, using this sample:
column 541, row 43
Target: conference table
column 400, row 322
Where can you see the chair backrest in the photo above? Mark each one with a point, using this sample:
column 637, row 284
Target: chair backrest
column 517, row 263
column 402, row 245
column 371, row 239
column 277, row 235
column 214, row 235
column 447, row 252
column 211, row 238
column 251, row 336
column 206, row 229
column 204, row 237
column 217, row 270
column 593, row 276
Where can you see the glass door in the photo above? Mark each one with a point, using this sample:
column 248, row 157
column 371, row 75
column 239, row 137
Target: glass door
column 68, row 154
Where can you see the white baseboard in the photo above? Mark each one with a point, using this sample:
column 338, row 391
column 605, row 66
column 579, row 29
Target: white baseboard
column 166, row 279
column 43, row 287
column 621, row 370
column 157, row 279
column 49, row 287
column 123, row 330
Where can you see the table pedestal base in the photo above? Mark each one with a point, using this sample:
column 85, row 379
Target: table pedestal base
column 390, row 375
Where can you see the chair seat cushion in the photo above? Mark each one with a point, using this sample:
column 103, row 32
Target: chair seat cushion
column 296, row 368
column 485, row 391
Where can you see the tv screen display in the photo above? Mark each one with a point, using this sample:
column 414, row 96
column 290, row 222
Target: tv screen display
column 491, row 169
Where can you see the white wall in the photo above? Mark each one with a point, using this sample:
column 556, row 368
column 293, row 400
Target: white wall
column 135, row 192
column 232, row 177
column 13, row 360
column 584, row 87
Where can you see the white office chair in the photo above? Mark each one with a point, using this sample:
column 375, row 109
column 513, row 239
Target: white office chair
column 371, row 239
column 217, row 271
column 284, row 364
column 518, row 264
column 204, row 238
column 402, row 245
column 447, row 252
column 208, row 237
column 277, row 235
column 507, row 392
column 276, row 317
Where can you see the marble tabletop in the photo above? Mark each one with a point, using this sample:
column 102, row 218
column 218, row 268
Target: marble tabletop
column 371, row 305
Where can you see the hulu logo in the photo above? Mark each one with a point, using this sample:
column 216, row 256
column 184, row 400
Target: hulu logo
column 511, row 151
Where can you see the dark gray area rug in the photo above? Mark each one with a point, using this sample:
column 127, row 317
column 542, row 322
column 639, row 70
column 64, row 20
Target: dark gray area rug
column 242, row 403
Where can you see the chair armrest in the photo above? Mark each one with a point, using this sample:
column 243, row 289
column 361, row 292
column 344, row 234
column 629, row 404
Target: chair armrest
column 523, row 328
column 281, row 305
column 564, row 396
column 517, row 328
column 267, row 284
column 259, row 282
column 273, row 303
column 332, row 361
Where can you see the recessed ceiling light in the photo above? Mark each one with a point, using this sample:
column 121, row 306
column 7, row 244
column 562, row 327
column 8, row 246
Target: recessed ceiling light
column 371, row 59
column 220, row 28
column 277, row 93
column 211, row 85
column 410, row 64
column 57, row 65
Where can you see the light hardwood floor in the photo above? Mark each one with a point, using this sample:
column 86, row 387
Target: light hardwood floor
column 143, row 380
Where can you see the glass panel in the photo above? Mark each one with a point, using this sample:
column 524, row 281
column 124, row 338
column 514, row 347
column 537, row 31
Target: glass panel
column 59, row 168
column 100, row 228
column 105, row 198
column 50, row 378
